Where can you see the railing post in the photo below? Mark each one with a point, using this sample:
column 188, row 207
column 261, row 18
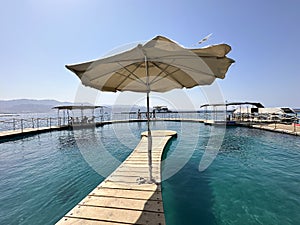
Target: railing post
column 50, row 121
column 22, row 125
column 32, row 122
column 37, row 123
column 14, row 123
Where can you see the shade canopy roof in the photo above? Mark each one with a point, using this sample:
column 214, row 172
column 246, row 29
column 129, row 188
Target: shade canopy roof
column 158, row 65
column 74, row 107
column 257, row 104
column 274, row 111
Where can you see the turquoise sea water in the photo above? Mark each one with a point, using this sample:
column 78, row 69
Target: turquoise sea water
column 254, row 179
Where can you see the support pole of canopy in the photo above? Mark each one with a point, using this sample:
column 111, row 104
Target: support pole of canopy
column 69, row 122
column 295, row 121
column 101, row 114
column 148, row 124
column 93, row 115
column 215, row 113
column 240, row 113
column 58, row 123
column 226, row 111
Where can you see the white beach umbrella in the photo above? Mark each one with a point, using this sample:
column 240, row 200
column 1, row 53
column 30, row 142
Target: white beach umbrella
column 158, row 65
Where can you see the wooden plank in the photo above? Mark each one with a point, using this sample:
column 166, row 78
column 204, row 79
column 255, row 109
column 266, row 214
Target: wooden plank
column 82, row 221
column 132, row 174
column 135, row 169
column 124, row 193
column 144, row 187
column 125, row 203
column 132, row 179
column 117, row 215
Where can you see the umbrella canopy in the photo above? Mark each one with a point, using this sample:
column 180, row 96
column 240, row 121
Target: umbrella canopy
column 158, row 65
column 170, row 66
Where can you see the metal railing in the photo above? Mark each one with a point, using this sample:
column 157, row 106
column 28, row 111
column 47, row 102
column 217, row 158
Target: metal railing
column 25, row 123
column 157, row 115
column 13, row 124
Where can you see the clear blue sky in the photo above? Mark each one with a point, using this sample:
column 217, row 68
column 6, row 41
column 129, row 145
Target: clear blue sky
column 39, row 37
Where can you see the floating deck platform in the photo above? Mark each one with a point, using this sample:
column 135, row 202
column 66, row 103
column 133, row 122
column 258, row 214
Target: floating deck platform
column 293, row 129
column 28, row 131
column 220, row 122
column 124, row 197
column 7, row 135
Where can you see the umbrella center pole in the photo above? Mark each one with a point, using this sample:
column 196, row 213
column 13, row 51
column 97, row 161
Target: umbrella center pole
column 149, row 142
column 151, row 180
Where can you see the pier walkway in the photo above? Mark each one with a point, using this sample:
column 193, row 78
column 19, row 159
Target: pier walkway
column 26, row 131
column 280, row 128
column 6, row 135
column 293, row 129
column 123, row 197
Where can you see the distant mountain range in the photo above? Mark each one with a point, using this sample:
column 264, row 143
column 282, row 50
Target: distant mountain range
column 28, row 105
column 45, row 106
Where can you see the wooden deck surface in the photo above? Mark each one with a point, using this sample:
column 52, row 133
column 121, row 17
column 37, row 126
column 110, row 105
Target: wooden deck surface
column 12, row 133
column 281, row 128
column 123, row 197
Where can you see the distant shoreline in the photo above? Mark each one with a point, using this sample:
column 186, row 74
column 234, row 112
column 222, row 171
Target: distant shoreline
column 8, row 114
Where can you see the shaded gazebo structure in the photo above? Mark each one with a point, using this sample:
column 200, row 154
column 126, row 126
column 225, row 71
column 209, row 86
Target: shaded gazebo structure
column 76, row 114
column 223, row 108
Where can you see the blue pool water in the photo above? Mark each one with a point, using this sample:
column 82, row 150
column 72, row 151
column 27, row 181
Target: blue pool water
column 254, row 179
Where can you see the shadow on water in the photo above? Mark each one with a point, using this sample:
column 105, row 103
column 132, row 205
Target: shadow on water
column 187, row 196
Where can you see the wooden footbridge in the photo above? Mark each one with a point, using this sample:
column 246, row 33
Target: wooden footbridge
column 127, row 196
